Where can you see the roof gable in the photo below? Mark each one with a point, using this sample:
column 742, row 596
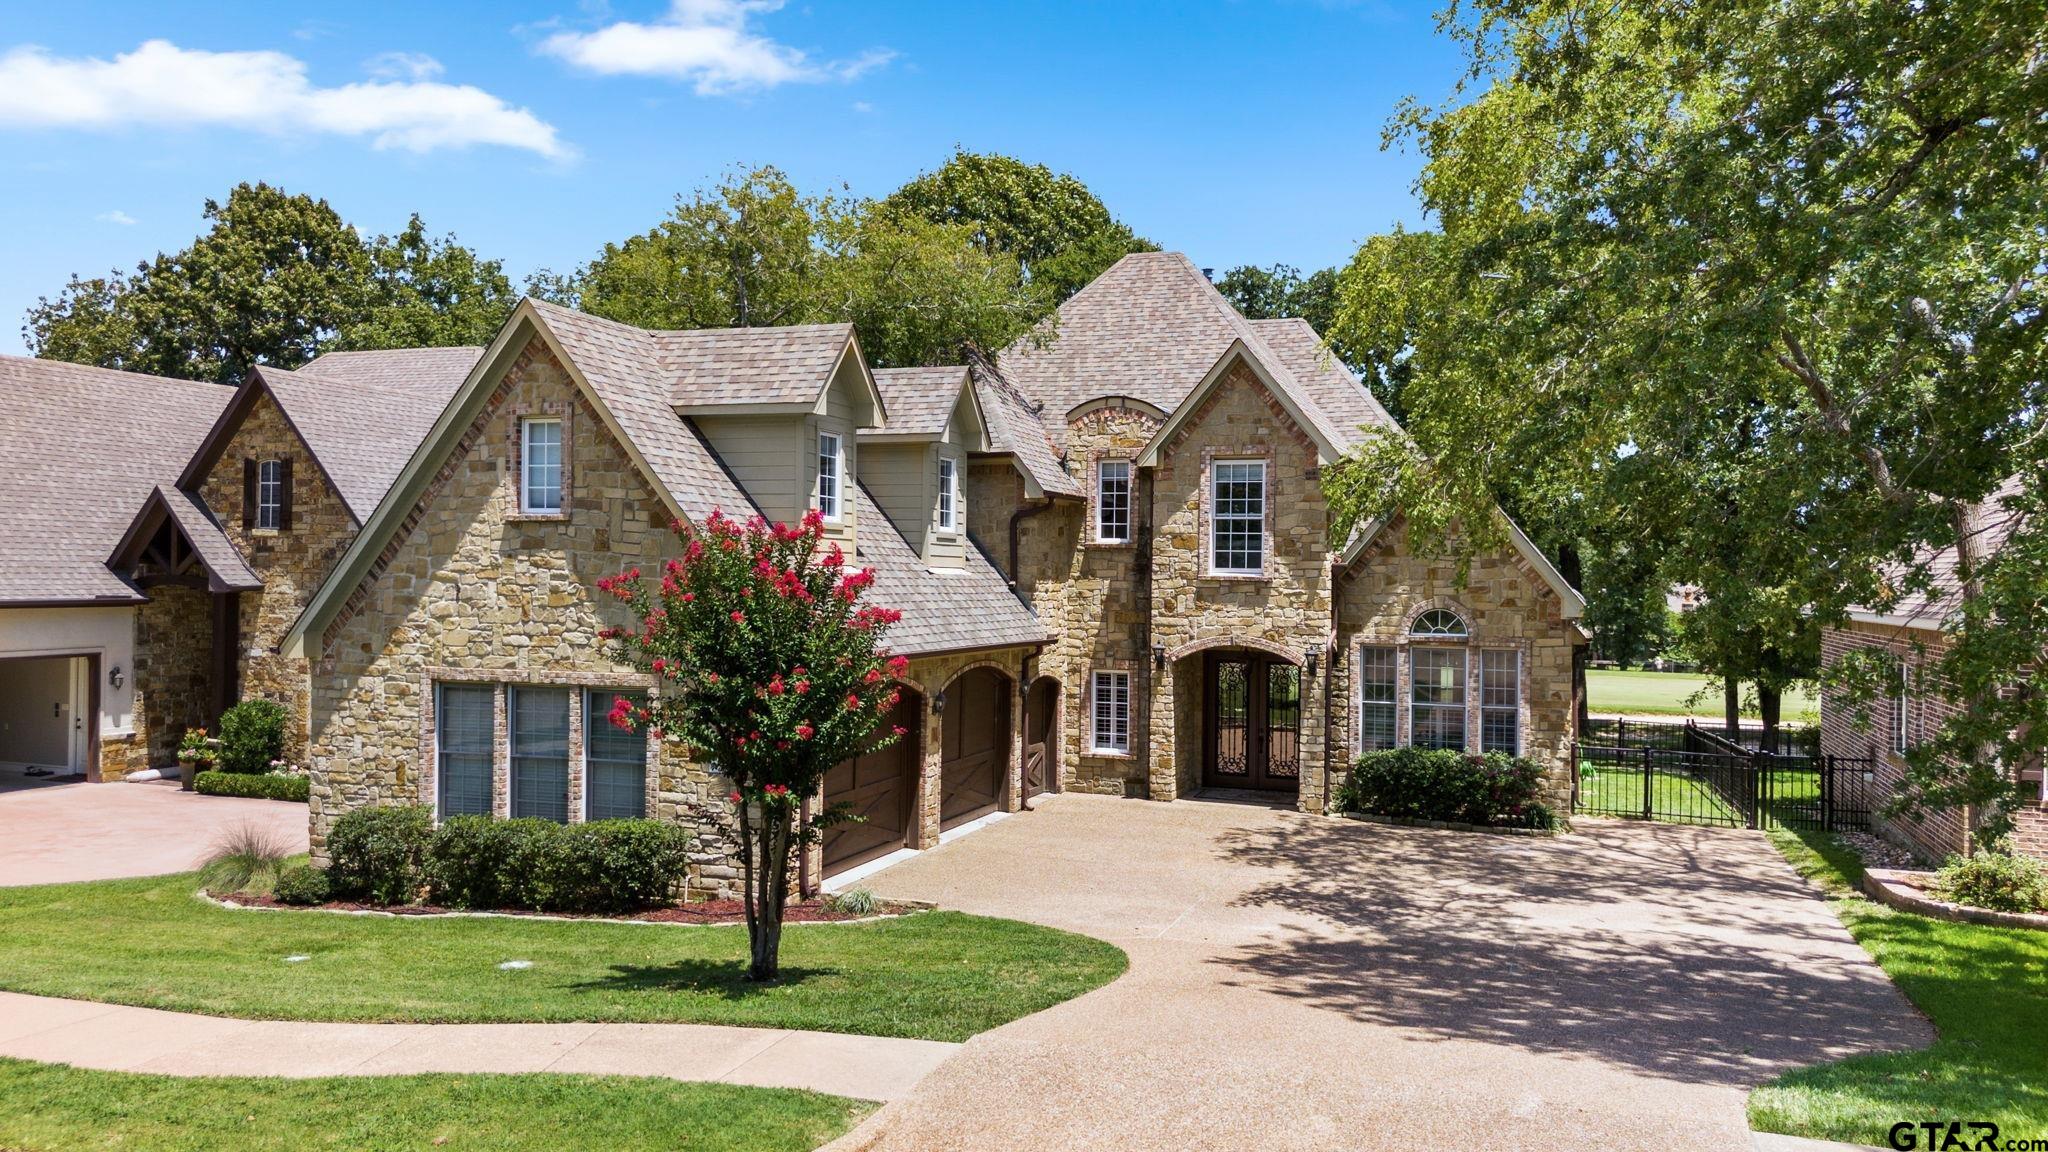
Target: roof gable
column 174, row 530
column 1304, row 414
column 923, row 403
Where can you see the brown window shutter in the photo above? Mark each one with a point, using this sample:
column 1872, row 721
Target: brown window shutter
column 248, row 493
column 284, row 495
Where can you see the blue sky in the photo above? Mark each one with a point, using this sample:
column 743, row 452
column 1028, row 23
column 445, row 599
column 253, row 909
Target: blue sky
column 1244, row 132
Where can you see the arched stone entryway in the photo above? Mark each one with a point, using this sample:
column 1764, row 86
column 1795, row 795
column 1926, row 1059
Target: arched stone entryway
column 880, row 787
column 1251, row 720
column 975, row 745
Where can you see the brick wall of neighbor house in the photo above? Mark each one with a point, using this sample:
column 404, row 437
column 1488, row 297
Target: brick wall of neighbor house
column 1505, row 604
column 1846, row 730
column 291, row 563
column 473, row 590
column 1286, row 611
column 173, row 679
column 1088, row 597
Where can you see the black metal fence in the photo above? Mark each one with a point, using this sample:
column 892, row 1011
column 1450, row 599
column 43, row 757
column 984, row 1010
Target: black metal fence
column 1622, row 732
column 1707, row 779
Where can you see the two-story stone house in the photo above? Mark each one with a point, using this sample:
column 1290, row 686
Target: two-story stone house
column 1111, row 550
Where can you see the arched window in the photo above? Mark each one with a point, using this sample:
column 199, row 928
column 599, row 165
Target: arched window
column 1439, row 623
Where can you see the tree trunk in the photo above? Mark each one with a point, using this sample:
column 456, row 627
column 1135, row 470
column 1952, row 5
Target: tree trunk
column 1769, row 697
column 770, row 891
column 1731, row 708
column 1969, row 582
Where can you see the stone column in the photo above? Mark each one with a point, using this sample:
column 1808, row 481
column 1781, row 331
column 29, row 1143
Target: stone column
column 925, row 833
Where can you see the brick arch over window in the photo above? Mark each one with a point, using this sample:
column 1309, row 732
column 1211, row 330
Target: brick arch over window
column 1440, row 603
column 1115, row 404
column 1228, row 640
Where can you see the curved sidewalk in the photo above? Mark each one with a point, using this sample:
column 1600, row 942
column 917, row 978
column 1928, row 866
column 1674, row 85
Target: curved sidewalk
column 119, row 1038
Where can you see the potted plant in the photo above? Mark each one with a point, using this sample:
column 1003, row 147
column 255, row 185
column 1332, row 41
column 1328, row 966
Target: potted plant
column 197, row 753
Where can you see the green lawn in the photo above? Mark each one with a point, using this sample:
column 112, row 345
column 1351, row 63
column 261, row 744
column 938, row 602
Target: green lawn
column 1672, row 693
column 53, row 1108
column 1986, row 991
column 932, row 976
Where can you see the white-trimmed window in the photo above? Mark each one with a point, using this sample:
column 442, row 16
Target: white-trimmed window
column 465, row 725
column 614, row 760
column 270, row 494
column 1237, row 517
column 949, row 494
column 1436, row 715
column 540, row 464
column 1113, row 501
column 1902, row 710
column 830, row 471
column 1377, row 699
column 1112, row 711
column 1500, row 701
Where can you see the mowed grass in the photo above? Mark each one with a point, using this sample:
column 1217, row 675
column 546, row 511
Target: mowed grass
column 1672, row 694
column 1986, row 992
column 54, row 1108
column 931, row 976
column 1609, row 791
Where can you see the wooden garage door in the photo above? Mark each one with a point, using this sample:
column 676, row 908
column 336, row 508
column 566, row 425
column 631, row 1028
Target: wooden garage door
column 879, row 785
column 977, row 744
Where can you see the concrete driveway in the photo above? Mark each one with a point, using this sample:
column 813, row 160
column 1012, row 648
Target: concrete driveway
column 1300, row 982
column 61, row 833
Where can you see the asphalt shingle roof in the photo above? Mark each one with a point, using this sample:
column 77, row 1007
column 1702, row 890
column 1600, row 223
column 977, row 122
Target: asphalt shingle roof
column 1017, row 426
column 83, row 447
column 944, row 610
column 1994, row 523
column 715, row 366
column 919, row 401
column 215, row 550
column 1151, row 327
column 364, row 419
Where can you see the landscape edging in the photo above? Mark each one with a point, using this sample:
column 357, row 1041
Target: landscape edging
column 1449, row 825
column 1888, row 886
column 915, row 907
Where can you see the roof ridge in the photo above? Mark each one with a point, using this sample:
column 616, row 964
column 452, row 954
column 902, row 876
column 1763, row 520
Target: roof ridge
column 118, row 373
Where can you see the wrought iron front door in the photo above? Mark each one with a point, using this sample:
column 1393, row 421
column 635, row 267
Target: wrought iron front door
column 1253, row 714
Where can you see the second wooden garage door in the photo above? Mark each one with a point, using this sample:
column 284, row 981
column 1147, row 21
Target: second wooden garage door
column 975, row 758
column 880, row 787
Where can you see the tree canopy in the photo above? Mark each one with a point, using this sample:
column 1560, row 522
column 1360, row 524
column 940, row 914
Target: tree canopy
column 277, row 279
column 1781, row 259
column 1059, row 233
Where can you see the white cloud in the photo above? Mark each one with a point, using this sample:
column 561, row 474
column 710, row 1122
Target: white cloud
column 115, row 217
column 162, row 84
column 403, row 66
column 707, row 43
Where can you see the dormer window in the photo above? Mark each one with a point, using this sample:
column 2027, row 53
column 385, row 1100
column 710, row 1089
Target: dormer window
column 540, row 456
column 949, row 494
column 267, row 495
column 831, row 461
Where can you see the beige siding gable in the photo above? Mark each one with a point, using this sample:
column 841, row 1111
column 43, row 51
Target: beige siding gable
column 767, row 455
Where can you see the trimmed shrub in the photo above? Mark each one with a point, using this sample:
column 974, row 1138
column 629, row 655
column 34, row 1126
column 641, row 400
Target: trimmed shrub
column 301, row 884
column 1441, row 784
column 1999, row 881
column 606, row 866
column 252, row 736
column 268, row 786
column 379, row 853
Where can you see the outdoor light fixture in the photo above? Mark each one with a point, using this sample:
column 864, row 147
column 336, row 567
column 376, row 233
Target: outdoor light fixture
column 1159, row 655
column 939, row 704
column 1309, row 656
column 114, row 676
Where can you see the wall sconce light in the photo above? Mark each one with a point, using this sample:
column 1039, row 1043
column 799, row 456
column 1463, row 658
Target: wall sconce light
column 1159, row 656
column 114, row 676
column 939, row 704
column 1309, row 658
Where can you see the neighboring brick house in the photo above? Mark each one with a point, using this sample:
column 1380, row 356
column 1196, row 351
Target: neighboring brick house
column 1914, row 632
column 1161, row 509
column 196, row 523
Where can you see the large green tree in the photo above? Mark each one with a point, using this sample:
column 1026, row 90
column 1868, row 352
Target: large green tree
column 755, row 251
column 1058, row 231
column 1789, row 249
column 276, row 279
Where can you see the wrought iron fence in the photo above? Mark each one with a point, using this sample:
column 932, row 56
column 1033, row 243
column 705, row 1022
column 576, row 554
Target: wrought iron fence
column 1622, row 732
column 1712, row 782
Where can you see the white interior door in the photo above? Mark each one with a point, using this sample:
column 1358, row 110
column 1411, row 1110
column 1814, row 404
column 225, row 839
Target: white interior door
column 80, row 714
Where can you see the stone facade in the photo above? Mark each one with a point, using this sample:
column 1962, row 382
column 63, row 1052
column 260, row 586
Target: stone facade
column 292, row 562
column 473, row 591
column 173, row 673
column 1119, row 607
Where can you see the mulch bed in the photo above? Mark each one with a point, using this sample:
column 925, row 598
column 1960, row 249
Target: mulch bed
column 697, row 912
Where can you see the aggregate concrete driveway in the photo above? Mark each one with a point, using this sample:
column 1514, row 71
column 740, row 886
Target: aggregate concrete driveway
column 1301, row 982
column 60, row 833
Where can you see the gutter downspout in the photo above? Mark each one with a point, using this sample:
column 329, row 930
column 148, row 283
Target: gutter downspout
column 1141, row 563
column 1338, row 571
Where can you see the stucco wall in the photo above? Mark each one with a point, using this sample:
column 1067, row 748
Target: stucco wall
column 107, row 632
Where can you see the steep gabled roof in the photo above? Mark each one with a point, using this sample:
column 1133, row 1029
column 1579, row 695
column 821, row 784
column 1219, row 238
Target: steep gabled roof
column 1304, row 412
column 83, row 446
column 226, row 570
column 944, row 610
column 752, row 368
column 433, row 371
column 1993, row 521
column 1342, row 396
column 919, row 401
column 1018, row 428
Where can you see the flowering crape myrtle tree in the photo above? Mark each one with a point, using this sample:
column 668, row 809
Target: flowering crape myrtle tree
column 772, row 671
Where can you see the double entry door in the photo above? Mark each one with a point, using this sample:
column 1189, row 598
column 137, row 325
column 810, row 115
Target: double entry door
column 1253, row 715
